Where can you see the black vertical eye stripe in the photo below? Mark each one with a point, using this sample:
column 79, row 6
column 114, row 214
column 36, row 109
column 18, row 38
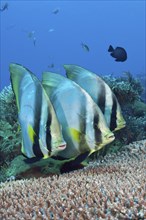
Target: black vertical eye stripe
column 37, row 117
column 113, row 122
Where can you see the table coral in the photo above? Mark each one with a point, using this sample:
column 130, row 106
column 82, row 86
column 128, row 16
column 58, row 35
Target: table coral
column 112, row 188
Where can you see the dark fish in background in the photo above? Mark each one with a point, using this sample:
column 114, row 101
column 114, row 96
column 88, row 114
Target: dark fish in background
column 85, row 47
column 4, row 7
column 119, row 53
column 56, row 10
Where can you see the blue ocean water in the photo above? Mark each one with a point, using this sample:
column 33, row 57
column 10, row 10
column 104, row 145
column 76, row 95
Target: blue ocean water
column 40, row 34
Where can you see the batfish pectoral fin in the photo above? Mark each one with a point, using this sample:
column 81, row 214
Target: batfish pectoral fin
column 75, row 134
column 31, row 133
column 23, row 149
column 45, row 156
column 92, row 151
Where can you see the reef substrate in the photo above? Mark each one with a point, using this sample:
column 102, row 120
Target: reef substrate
column 114, row 187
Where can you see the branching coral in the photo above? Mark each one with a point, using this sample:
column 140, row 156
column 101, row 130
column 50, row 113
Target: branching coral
column 127, row 89
column 113, row 188
column 10, row 136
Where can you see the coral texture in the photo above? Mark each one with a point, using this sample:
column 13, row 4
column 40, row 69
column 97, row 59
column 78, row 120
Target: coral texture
column 112, row 188
column 10, row 136
column 126, row 88
column 128, row 91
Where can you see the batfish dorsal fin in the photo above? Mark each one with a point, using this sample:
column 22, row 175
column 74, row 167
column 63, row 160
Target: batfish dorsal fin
column 16, row 74
column 74, row 71
column 52, row 80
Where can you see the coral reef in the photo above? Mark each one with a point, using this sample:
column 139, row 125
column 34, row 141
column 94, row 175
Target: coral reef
column 128, row 91
column 112, row 188
column 10, row 135
column 126, row 88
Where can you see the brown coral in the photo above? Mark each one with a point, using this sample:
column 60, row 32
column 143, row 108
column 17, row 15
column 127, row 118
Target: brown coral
column 113, row 188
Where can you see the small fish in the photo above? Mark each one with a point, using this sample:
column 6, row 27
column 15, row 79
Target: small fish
column 100, row 92
column 4, row 7
column 51, row 65
column 119, row 53
column 85, row 47
column 34, row 41
column 56, row 11
column 31, row 34
column 82, row 134
column 41, row 131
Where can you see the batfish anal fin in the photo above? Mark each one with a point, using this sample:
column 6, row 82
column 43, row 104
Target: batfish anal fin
column 74, row 164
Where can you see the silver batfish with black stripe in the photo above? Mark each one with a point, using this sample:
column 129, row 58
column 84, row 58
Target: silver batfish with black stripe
column 83, row 124
column 41, row 131
column 100, row 93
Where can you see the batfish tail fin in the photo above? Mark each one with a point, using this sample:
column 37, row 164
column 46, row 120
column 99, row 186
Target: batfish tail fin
column 110, row 49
